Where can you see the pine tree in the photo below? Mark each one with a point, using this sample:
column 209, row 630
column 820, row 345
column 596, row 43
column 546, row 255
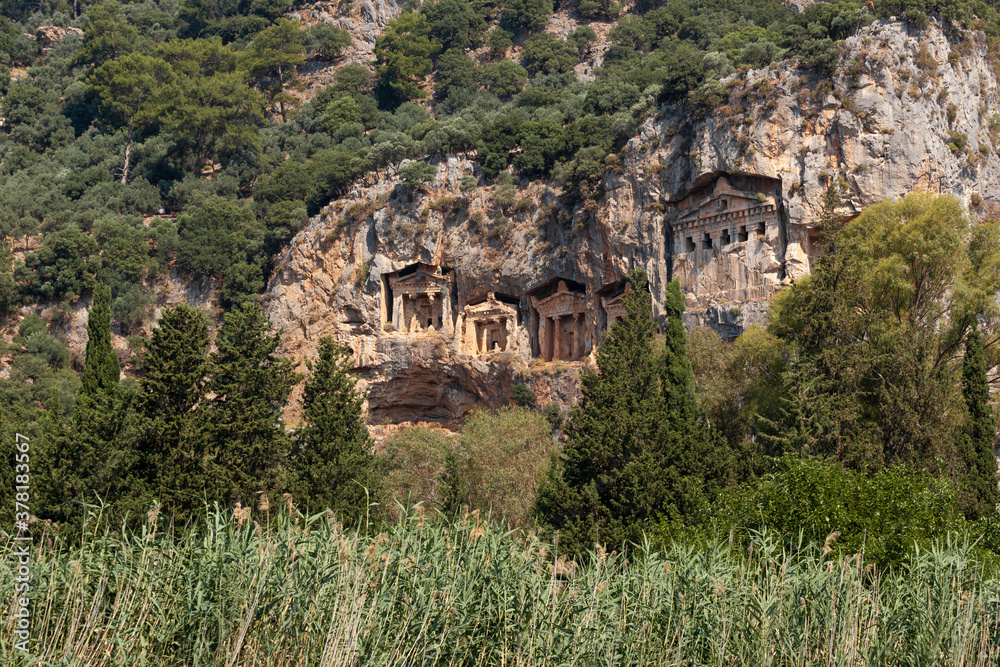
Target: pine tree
column 335, row 466
column 101, row 370
column 175, row 368
column 981, row 494
column 241, row 427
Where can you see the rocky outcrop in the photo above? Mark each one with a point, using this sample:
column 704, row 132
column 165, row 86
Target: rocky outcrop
column 363, row 20
column 48, row 35
column 69, row 320
column 730, row 200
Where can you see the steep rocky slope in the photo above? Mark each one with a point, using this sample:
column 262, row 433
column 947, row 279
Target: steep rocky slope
column 908, row 110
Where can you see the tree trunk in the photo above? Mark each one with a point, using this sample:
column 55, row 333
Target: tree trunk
column 200, row 150
column 128, row 152
column 281, row 89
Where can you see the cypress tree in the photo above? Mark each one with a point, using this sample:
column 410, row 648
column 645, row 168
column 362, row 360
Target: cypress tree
column 334, row 466
column 981, row 494
column 101, row 370
column 241, row 428
column 593, row 493
column 639, row 448
column 694, row 460
column 455, row 490
column 90, row 459
column 678, row 378
column 175, row 368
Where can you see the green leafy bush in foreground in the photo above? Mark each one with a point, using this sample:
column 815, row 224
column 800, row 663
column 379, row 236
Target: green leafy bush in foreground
column 271, row 589
column 885, row 514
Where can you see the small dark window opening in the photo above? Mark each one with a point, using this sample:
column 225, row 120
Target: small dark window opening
column 760, row 229
column 690, row 244
column 707, row 242
column 742, row 236
column 723, row 204
column 430, row 321
column 724, row 240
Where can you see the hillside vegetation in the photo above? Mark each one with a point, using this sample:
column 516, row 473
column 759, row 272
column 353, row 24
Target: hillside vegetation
column 192, row 111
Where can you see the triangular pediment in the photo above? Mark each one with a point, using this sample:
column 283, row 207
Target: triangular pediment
column 561, row 300
column 420, row 277
column 711, row 205
column 614, row 301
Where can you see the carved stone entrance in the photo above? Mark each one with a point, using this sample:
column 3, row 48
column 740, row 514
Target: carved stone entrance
column 733, row 209
column 421, row 299
column 562, row 324
column 488, row 326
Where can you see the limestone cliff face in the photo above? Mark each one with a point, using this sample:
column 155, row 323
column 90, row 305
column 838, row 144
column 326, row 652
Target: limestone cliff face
column 336, row 279
column 908, row 110
column 728, row 200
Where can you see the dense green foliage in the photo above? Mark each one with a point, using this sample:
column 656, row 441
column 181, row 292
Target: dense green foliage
column 170, row 450
column 875, row 333
column 885, row 514
column 493, row 467
column 333, row 463
column 982, row 495
column 101, row 371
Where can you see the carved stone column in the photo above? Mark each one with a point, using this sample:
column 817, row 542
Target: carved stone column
column 470, row 336
column 545, row 335
column 511, row 328
column 557, row 344
column 397, row 311
column 446, row 322
column 459, row 339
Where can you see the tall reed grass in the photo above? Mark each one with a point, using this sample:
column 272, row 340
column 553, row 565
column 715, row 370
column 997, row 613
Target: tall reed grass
column 302, row 591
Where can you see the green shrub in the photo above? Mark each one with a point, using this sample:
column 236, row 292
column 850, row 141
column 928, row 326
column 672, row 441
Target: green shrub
column 887, row 514
column 412, row 466
column 416, row 173
column 502, row 457
column 329, row 41
column 468, row 183
column 64, row 266
column 522, row 395
column 554, row 414
column 504, row 78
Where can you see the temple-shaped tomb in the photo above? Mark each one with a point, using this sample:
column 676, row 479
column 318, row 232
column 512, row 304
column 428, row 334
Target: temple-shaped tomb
column 418, row 298
column 613, row 301
column 560, row 320
column 488, row 325
column 731, row 209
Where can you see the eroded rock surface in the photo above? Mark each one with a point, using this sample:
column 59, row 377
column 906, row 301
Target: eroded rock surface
column 760, row 174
